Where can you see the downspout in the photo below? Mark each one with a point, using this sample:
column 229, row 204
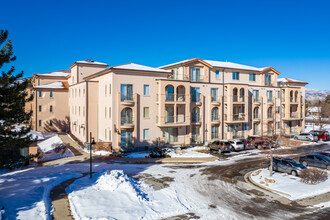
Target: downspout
column 35, row 112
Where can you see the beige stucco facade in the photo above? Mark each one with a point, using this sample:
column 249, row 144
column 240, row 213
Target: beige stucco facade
column 133, row 106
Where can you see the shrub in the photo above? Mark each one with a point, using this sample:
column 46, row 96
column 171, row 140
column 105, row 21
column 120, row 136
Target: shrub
column 159, row 153
column 60, row 148
column 313, row 176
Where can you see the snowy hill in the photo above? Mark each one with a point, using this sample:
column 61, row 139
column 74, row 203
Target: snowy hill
column 314, row 94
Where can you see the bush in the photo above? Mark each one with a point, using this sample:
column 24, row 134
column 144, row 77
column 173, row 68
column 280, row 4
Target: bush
column 313, row 176
column 159, row 153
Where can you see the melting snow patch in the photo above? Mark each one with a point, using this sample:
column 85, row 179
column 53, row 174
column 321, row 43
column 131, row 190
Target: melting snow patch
column 113, row 194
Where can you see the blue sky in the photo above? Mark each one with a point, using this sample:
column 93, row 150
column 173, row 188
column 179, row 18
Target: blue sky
column 291, row 36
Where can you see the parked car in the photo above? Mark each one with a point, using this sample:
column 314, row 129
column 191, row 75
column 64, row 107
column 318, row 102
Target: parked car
column 316, row 160
column 325, row 153
column 247, row 144
column 223, row 146
column 287, row 165
column 257, row 142
column 236, row 145
column 321, row 135
column 305, row 137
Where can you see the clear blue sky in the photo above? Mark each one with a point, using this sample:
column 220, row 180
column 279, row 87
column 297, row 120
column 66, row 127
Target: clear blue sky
column 292, row 36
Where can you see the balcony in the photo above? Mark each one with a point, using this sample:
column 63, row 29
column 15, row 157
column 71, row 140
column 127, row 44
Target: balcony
column 179, row 119
column 294, row 115
column 215, row 99
column 256, row 117
column 127, row 99
column 237, row 98
column 195, row 98
column 126, row 122
column 256, row 99
column 169, row 97
column 239, row 117
column 293, row 100
column 270, row 100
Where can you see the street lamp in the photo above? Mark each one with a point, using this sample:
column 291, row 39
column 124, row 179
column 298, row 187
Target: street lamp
column 92, row 142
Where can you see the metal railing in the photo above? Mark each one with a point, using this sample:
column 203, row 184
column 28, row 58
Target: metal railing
column 270, row 100
column 293, row 100
column 237, row 98
column 180, row 97
column 127, row 98
column 169, row 97
column 256, row 116
column 215, row 118
column 215, row 99
column 294, row 115
column 239, row 117
column 126, row 121
column 256, row 99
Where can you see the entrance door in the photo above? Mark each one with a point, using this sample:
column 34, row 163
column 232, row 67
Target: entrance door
column 126, row 138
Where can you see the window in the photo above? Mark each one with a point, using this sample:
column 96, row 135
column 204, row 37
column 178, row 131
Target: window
column 126, row 92
column 256, row 113
column 40, row 108
column 195, row 96
column 39, row 123
column 268, row 80
column 195, row 74
column 109, row 135
column 105, row 133
column 278, row 94
column 214, row 132
column 195, row 115
column 176, row 73
column 126, row 116
column 270, row 112
column 40, row 93
column 145, row 134
column 51, row 122
column 105, row 112
column 109, row 89
column 146, row 90
column 84, row 111
column 79, row 92
column 245, row 126
column 51, row 108
column 146, row 112
column 217, row 74
column 252, row 77
column 109, row 112
column 105, row 89
column 214, row 95
column 236, row 75
column 79, row 111
column 215, row 114
column 269, row 96
column 51, row 94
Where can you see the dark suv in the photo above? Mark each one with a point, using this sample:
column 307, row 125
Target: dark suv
column 223, row 146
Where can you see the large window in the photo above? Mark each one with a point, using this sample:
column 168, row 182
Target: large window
column 170, row 135
column 40, row 108
column 269, row 96
column 236, row 75
column 217, row 74
column 195, row 74
column 215, row 114
column 268, row 80
column 51, row 94
column 40, row 93
column 195, row 115
column 195, row 95
column 214, row 95
column 169, row 93
column 146, row 90
column 51, row 108
column 214, row 132
column 256, row 113
column 126, row 138
column 270, row 113
column 126, row 92
column 145, row 134
column 126, row 116
column 252, row 77
column 195, row 134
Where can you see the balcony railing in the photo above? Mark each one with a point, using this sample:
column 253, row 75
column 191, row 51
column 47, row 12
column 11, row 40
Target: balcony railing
column 237, row 98
column 293, row 100
column 256, row 117
column 169, row 97
column 215, row 118
column 270, row 100
column 126, row 121
column 269, row 116
column 180, row 97
column 180, row 119
column 126, row 98
column 294, row 115
column 169, row 119
column 239, row 117
column 195, row 118
column 195, row 138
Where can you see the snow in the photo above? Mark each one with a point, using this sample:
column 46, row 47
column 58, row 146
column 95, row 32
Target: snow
column 36, row 135
column 99, row 152
column 291, row 185
column 133, row 66
column 47, row 147
column 55, row 74
column 90, row 62
column 285, row 80
column 54, row 85
column 128, row 198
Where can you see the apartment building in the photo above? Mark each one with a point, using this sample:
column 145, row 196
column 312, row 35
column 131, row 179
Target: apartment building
column 50, row 105
column 133, row 106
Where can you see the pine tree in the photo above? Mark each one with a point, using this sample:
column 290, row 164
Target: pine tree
column 13, row 97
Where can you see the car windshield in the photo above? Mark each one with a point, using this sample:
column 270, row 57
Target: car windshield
column 294, row 163
column 239, row 142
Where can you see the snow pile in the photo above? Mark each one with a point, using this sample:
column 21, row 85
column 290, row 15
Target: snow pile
column 113, row 194
column 289, row 185
column 187, row 153
column 47, row 147
column 99, row 152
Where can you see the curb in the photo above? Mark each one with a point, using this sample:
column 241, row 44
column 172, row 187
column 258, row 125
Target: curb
column 248, row 176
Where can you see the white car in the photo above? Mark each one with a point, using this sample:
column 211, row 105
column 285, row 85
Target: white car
column 236, row 145
column 305, row 137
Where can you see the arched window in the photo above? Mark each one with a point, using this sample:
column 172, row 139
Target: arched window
column 126, row 116
column 291, row 96
column 241, row 95
column 235, row 93
column 180, row 93
column 296, row 96
column 195, row 115
column 270, row 112
column 215, row 114
column 256, row 113
column 169, row 93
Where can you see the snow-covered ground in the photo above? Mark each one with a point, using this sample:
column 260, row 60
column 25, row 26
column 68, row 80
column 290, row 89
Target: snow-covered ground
column 191, row 152
column 47, row 147
column 99, row 152
column 309, row 127
column 290, row 185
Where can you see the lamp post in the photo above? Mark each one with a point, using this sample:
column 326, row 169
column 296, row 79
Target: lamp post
column 91, row 143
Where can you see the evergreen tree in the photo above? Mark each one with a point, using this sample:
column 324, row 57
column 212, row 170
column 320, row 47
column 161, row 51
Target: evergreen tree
column 13, row 97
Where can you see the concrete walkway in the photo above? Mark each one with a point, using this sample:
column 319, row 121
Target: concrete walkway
column 60, row 200
column 73, row 146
